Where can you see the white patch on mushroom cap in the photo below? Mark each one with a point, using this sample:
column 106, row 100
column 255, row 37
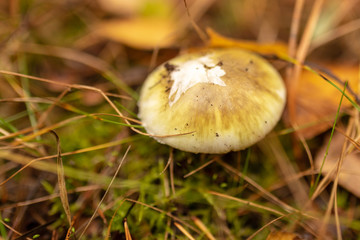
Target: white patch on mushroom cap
column 201, row 70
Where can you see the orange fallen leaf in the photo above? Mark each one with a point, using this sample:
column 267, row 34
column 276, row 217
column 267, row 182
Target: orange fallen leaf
column 217, row 40
column 141, row 32
column 317, row 100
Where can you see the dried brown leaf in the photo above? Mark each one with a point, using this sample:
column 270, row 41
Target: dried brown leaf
column 349, row 176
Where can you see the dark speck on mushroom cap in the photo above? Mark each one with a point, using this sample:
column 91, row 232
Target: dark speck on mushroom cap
column 235, row 105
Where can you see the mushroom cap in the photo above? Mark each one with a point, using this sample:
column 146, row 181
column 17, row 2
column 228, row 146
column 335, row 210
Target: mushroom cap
column 225, row 99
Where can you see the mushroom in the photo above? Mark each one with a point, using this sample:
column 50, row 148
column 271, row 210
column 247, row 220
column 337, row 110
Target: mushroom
column 212, row 101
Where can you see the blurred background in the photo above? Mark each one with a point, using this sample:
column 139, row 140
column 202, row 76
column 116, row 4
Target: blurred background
column 69, row 52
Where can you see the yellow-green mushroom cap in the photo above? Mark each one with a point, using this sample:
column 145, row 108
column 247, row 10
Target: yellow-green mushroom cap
column 226, row 99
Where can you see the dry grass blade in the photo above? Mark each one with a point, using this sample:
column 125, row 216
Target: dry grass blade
column 33, row 232
column 322, row 185
column 298, row 188
column 61, row 180
column 166, row 213
column 49, row 197
column 168, row 224
column 171, row 158
column 44, row 115
column 50, row 167
column 76, row 86
column 300, row 57
column 333, row 197
column 183, row 230
column 199, row 168
column 66, row 53
column 172, row 182
column 46, row 130
column 114, row 115
column 84, row 87
column 284, row 181
column 263, row 227
column 11, row 135
column 285, row 206
column 309, row 30
column 69, row 232
column 335, row 33
column 27, row 99
column 59, row 124
column 78, row 56
column 2, row 154
column 248, row 203
column 127, row 231
column 198, row 30
column 292, row 45
column 107, row 190
column 9, row 227
column 111, row 221
column 203, row 228
column 308, row 153
column 38, row 133
column 295, row 23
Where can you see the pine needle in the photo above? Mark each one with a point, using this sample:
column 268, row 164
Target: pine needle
column 203, row 228
column 127, row 231
column 183, row 230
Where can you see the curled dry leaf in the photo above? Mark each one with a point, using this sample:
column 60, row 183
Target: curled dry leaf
column 317, row 100
column 349, row 176
column 142, row 32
